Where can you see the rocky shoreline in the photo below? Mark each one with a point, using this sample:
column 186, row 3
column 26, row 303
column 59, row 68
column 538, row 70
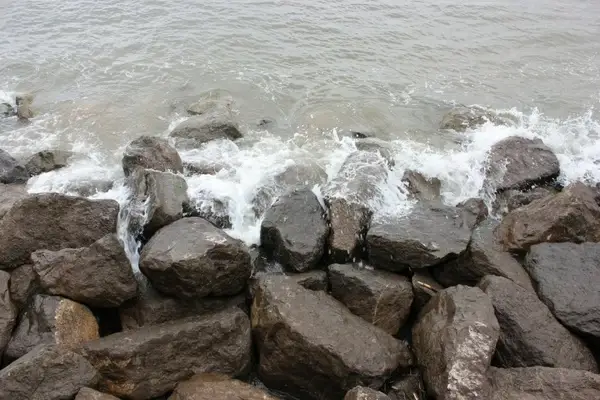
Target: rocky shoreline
column 447, row 302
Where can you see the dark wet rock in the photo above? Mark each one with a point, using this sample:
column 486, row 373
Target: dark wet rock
column 91, row 394
column 24, row 111
column 9, row 195
column 46, row 373
column 352, row 134
column 304, row 345
column 312, row 280
column 424, row 287
column 99, row 275
column 53, row 221
column 485, row 256
column 265, row 123
column 23, row 285
column 217, row 387
column 47, row 160
column 454, row 340
column 543, row 383
column 567, row 277
column 7, row 110
column 212, row 100
column 149, row 152
column 569, row 216
column 294, row 230
column 8, row 311
column 512, row 199
column 365, row 393
column 214, row 124
column 51, row 320
column 529, row 333
column 214, row 211
column 474, row 211
column 409, row 387
column 518, row 163
column 377, row 146
column 150, row 361
column 11, row 171
column 379, row 297
column 420, row 187
column 429, row 235
column 462, row 118
column 191, row 259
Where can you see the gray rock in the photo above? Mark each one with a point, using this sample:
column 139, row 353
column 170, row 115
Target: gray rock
column 149, row 152
column 420, row 187
column 46, row 373
column 510, row 200
column 409, row 387
column 424, row 287
column 8, row 311
column 474, row 212
column 214, row 211
column 214, row 124
column 462, row 118
column 9, row 195
column 429, row 235
column 216, row 387
column 47, row 160
column 312, row 280
column 24, row 111
column 365, row 393
column 454, row 340
column 91, row 394
column 211, row 101
column 11, row 171
column 23, row 285
column 381, row 147
column 7, row 110
column 192, row 259
column 202, row 168
column 529, row 333
column 379, row 297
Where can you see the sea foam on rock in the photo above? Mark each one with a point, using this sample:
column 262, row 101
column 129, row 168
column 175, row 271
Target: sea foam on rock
column 47, row 160
column 218, row 123
column 462, row 118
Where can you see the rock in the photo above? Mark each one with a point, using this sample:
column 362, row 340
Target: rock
column 265, row 123
column 312, row 280
column 454, row 340
column 429, row 235
column 420, row 187
column 24, row 111
column 570, row 216
column 53, row 221
column 150, row 361
column 149, row 152
column 10, row 169
column 91, row 394
column 295, row 230
column 424, row 287
column 88, row 187
column 51, row 320
column 365, row 393
column 529, row 334
column 158, row 200
column 378, row 146
column 99, row 275
column 216, row 99
column 151, row 307
column 8, row 311
column 379, row 297
column 474, row 212
column 202, row 168
column 217, row 387
column 485, row 256
column 510, row 200
column 352, row 134
column 9, row 195
column 191, row 259
column 46, row 373
column 47, row 160
column 214, row 211
column 409, row 387
column 543, row 383
column 462, row 118
column 7, row 110
column 567, row 277
column 23, row 285
column 304, row 346
column 197, row 130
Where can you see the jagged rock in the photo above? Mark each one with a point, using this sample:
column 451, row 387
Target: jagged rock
column 51, row 320
column 379, row 297
column 99, row 275
column 191, row 259
column 48, row 372
column 47, row 160
column 304, row 346
column 53, row 221
column 570, row 216
column 519, row 163
column 409, row 387
column 462, row 118
column 149, row 152
column 9, row 195
column 424, row 287
column 420, row 187
column 454, row 340
column 312, row 280
column 429, row 235
column 91, row 394
column 11, row 171
column 216, row 99
column 202, row 168
column 23, row 285
column 474, row 211
column 8, row 311
column 7, row 110
column 217, row 387
column 214, row 211
column 214, row 124
column 24, row 111
column 485, row 256
column 365, row 393
column 295, row 230
column 510, row 200
column 543, row 383
column 378, row 146
column 567, row 277
column 529, row 334
column 150, row 361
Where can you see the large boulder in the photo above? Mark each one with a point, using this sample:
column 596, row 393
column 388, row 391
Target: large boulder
column 421, row 187
column 217, row 387
column 365, row 393
column 23, row 285
column 9, row 195
column 216, row 99
column 51, row 320
column 8, row 311
column 454, row 340
column 485, row 256
column 295, row 230
column 47, row 160
column 99, row 275
column 11, row 171
column 519, row 163
column 149, row 152
column 570, row 216
column 91, row 394
column 510, row 200
column 191, row 258
column 529, row 333
column 215, row 124
column 150, row 361
column 53, row 221
column 379, row 297
column 429, row 235
column 543, row 383
column 462, row 118
column 46, row 373
column 311, row 345
column 567, row 277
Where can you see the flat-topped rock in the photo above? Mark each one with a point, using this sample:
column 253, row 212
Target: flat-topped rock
column 149, row 152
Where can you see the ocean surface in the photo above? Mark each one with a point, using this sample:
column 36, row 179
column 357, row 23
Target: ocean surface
column 105, row 72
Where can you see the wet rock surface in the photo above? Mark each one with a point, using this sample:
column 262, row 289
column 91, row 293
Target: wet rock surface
column 463, row 118
column 409, row 387
column 473, row 211
column 8, row 311
column 312, row 280
column 510, row 200
column 421, row 187
column 365, row 393
column 11, row 171
column 47, row 160
column 23, row 285
column 217, row 387
column 424, row 287
column 149, row 152
column 9, row 195
column 91, row 394
column 215, row 124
